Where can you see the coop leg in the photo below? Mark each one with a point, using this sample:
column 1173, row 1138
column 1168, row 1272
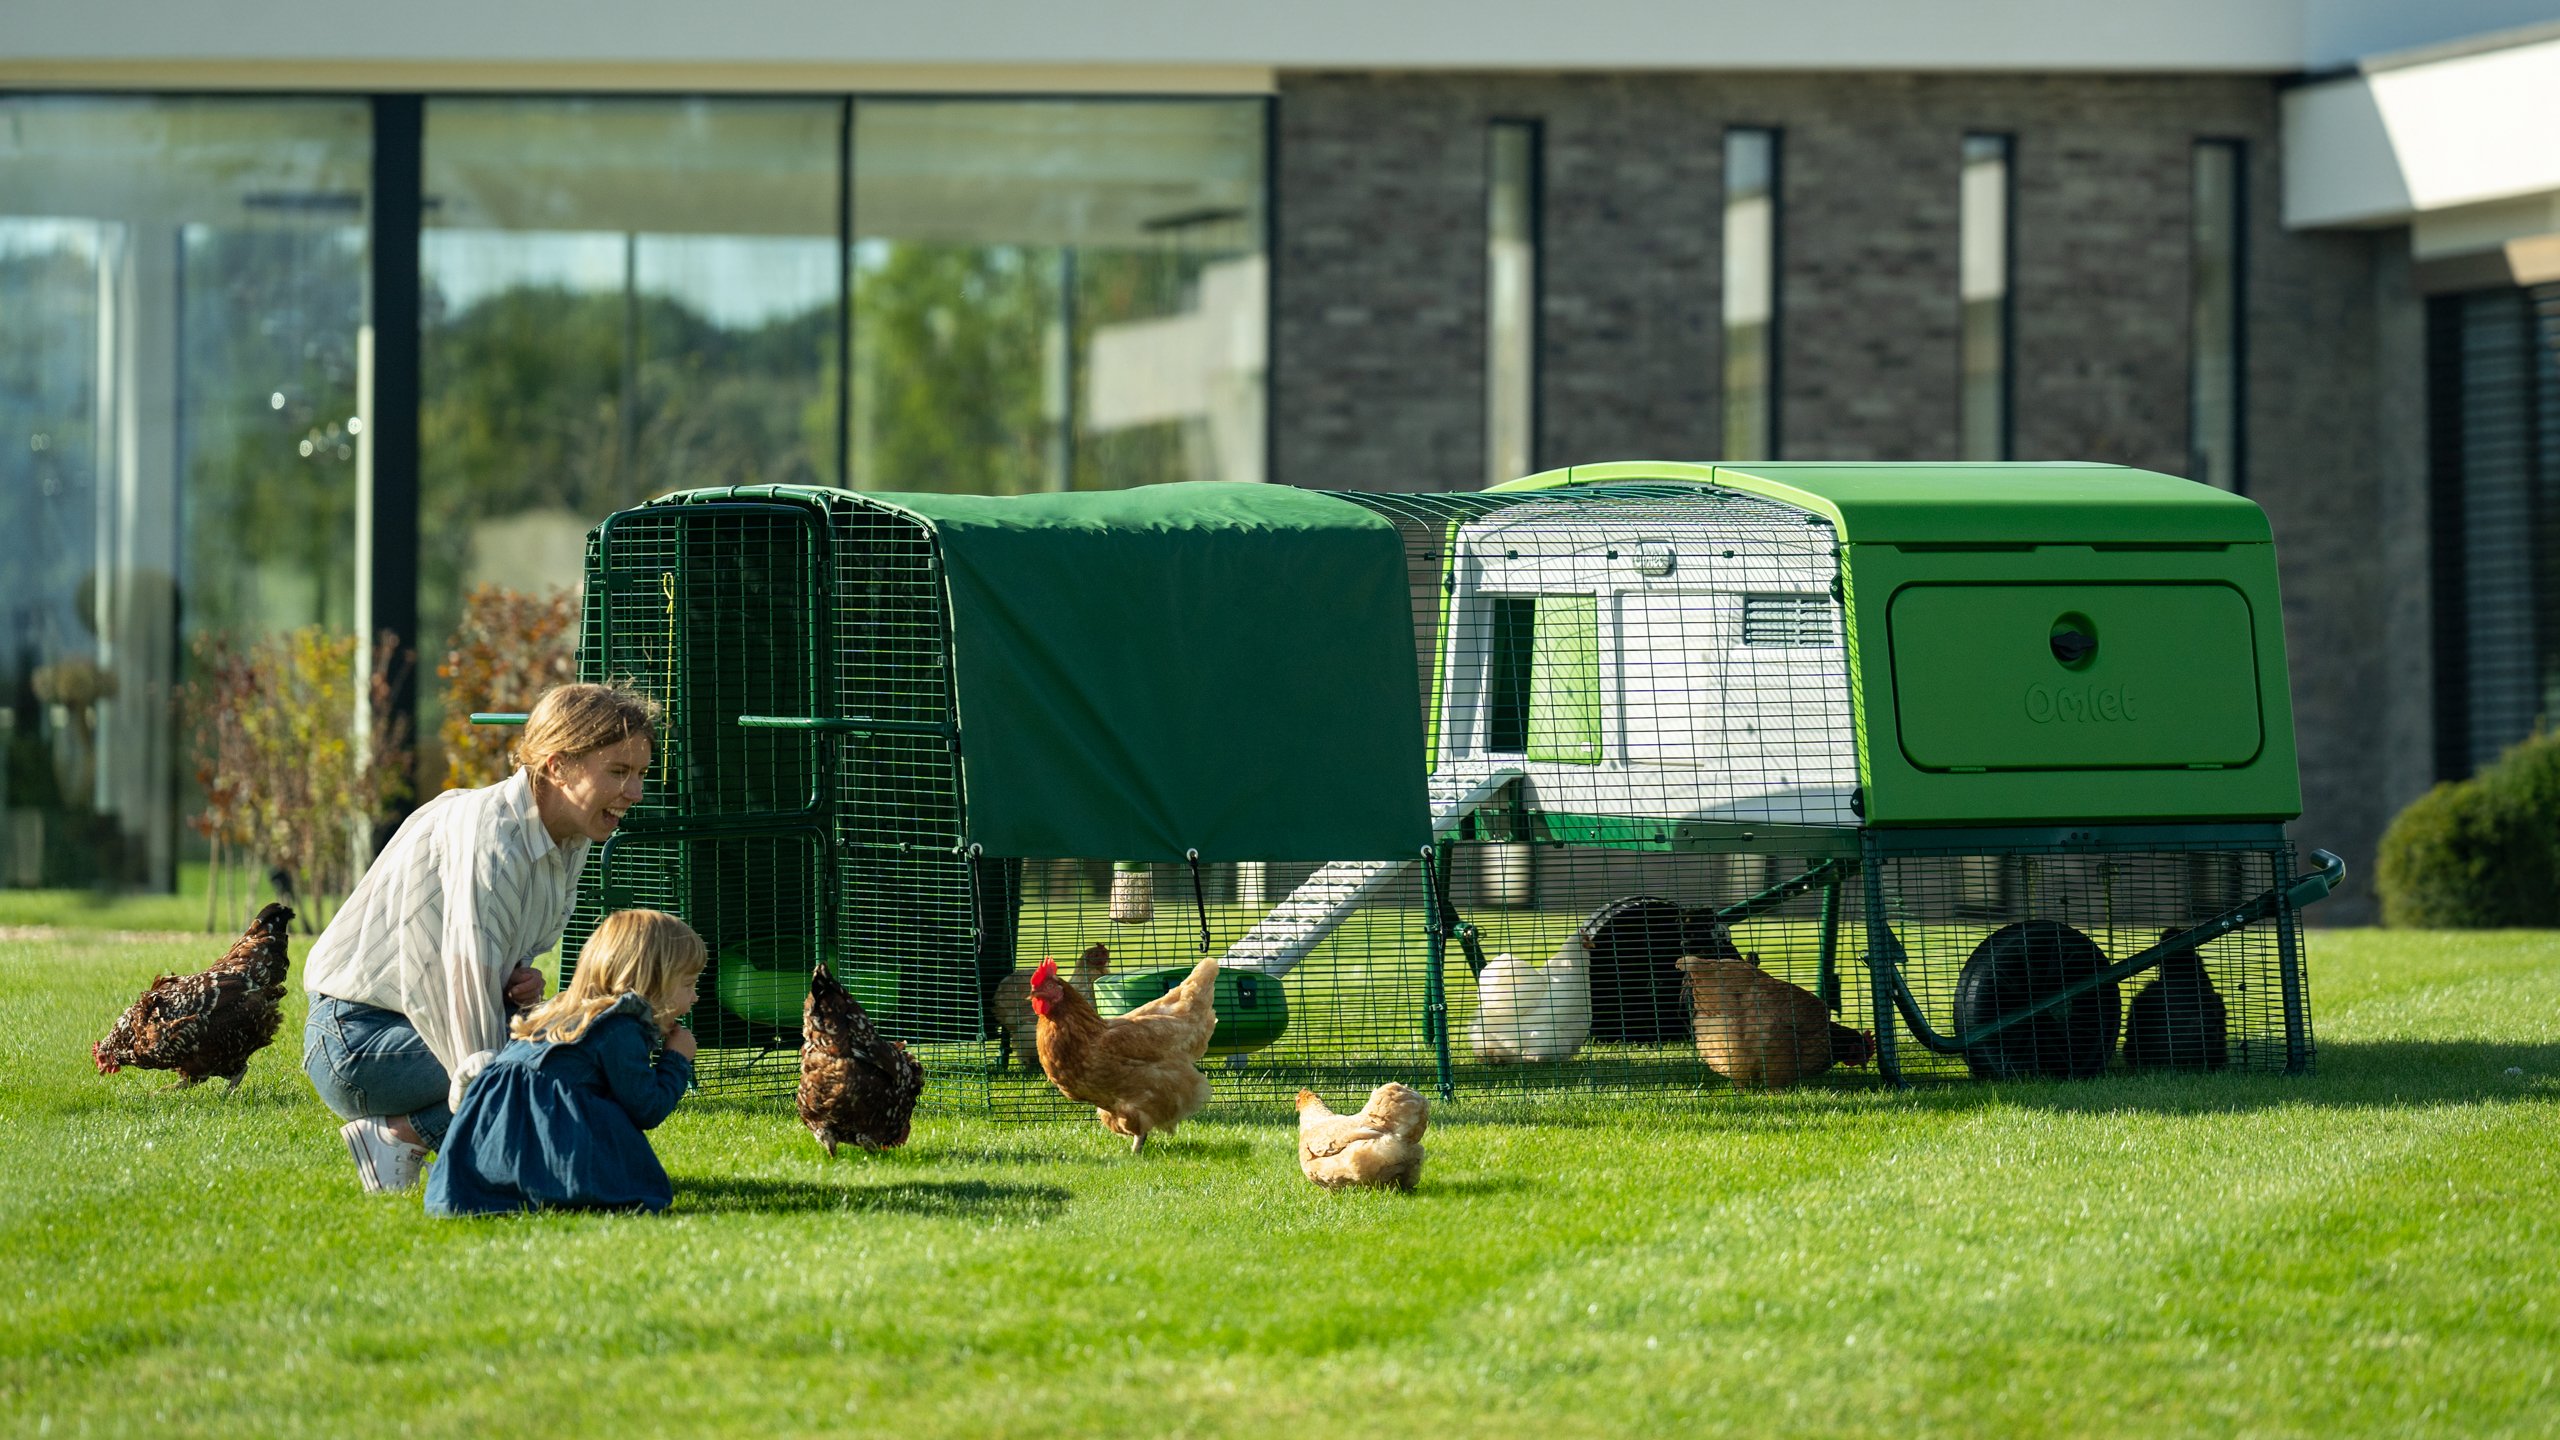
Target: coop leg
column 1880, row 948
column 1830, row 981
column 1435, row 986
column 2297, row 1039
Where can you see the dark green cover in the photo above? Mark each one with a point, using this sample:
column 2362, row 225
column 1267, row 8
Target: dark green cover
column 1221, row 667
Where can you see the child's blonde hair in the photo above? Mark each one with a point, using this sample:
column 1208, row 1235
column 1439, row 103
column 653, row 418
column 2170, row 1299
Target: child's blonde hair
column 648, row 953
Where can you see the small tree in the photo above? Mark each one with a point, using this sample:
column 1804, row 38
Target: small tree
column 509, row 648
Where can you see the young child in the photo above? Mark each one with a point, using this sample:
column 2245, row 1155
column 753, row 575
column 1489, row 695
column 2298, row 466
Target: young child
column 556, row 1121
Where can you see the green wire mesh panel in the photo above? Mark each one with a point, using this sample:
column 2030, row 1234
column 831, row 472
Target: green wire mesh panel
column 1988, row 931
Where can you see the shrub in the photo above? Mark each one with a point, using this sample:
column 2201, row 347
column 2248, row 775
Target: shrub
column 509, row 648
column 2482, row 853
column 289, row 783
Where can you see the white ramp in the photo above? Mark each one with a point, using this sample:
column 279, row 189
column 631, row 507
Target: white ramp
column 1299, row 924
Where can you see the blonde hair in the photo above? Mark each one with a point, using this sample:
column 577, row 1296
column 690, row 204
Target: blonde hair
column 582, row 719
column 648, row 953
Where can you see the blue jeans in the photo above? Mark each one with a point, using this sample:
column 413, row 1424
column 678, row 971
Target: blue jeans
column 369, row 1063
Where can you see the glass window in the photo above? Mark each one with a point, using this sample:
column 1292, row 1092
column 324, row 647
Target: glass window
column 2495, row 378
column 619, row 298
column 2214, row 444
column 1511, row 300
column 1983, row 285
column 1751, row 295
column 1053, row 295
column 181, row 296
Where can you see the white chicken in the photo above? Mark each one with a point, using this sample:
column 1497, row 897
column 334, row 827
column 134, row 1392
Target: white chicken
column 1528, row 1013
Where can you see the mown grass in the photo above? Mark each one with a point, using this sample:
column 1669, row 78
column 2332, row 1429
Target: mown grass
column 2370, row 1250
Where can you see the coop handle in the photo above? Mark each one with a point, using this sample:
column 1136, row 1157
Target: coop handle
column 2311, row 889
column 859, row 725
column 493, row 717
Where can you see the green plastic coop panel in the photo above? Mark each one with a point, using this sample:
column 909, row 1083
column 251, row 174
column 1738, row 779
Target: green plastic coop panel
column 1957, row 580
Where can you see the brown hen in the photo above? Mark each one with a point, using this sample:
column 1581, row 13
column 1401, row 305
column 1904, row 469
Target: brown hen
column 1139, row 1071
column 208, row 1023
column 1756, row 1029
column 855, row 1087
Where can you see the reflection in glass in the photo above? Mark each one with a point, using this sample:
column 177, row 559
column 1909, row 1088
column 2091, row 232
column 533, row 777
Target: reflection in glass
column 2213, row 407
column 1983, row 284
column 620, row 298
column 1511, row 299
column 181, row 292
column 1054, row 295
column 1750, row 294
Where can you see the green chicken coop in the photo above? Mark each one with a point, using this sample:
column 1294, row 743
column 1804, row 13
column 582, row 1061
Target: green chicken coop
column 1452, row 783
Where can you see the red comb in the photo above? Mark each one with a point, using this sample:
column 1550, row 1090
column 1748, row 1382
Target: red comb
column 1047, row 972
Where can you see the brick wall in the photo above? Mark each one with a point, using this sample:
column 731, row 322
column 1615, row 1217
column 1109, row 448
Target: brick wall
column 1378, row 334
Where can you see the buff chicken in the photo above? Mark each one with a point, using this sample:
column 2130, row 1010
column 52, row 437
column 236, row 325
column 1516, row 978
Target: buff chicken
column 855, row 1087
column 1140, row 1071
column 1756, row 1029
column 1379, row 1147
column 210, row 1023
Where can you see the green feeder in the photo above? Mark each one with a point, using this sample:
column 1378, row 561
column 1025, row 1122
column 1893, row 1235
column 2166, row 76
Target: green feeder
column 765, row 981
column 1252, row 1008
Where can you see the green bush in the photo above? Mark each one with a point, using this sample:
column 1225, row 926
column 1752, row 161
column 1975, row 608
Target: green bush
column 2482, row 853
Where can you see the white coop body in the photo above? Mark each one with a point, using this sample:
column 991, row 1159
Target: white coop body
column 1683, row 659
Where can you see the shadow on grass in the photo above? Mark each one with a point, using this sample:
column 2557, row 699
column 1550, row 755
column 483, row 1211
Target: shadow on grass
column 931, row 1199
column 1476, row 1185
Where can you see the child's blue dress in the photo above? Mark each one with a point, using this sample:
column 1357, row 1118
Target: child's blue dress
column 552, row 1125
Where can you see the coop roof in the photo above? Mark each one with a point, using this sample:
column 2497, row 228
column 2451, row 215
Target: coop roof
column 1221, row 667
column 2061, row 503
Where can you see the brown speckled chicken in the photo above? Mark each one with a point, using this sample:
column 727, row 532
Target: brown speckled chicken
column 1756, row 1029
column 1140, row 1071
column 855, row 1088
column 1012, row 1003
column 1381, row 1146
column 208, row 1023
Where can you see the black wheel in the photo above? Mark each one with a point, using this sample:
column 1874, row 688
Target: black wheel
column 2018, row 966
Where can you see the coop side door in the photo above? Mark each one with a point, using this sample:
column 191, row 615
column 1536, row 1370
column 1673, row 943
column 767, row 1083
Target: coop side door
column 1670, row 646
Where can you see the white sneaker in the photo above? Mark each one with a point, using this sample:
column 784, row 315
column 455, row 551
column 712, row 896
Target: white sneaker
column 384, row 1161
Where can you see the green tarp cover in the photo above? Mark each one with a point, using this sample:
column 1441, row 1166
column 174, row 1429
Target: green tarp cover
column 1220, row 667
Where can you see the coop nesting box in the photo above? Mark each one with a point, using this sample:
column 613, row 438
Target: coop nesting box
column 1961, row 753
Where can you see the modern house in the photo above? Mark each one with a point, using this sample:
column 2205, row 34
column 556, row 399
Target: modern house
column 324, row 313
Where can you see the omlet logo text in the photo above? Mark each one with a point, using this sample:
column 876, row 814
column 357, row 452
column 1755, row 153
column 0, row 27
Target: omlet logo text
column 2072, row 704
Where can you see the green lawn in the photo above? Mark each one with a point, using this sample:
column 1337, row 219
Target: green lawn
column 2369, row 1250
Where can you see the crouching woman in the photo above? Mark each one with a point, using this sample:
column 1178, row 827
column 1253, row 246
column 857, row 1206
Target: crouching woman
column 556, row 1123
column 412, row 983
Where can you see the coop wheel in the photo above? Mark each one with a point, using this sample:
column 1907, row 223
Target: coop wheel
column 2018, row 966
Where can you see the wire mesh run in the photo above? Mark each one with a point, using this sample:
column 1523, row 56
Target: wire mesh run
column 1650, row 869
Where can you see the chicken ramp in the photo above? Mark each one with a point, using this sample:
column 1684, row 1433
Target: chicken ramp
column 1297, row 925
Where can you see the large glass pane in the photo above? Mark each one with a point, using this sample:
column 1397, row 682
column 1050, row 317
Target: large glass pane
column 620, row 298
column 1511, row 300
column 181, row 296
column 1750, row 294
column 2213, row 412
column 1054, row 295
column 1983, row 287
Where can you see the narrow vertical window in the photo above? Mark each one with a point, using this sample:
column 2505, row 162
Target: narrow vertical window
column 1511, row 300
column 1750, row 294
column 1983, row 283
column 2215, row 435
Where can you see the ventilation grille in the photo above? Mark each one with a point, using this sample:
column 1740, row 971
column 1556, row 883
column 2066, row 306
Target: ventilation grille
column 1788, row 620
